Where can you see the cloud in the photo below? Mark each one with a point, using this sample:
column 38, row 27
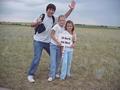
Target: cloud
column 86, row 12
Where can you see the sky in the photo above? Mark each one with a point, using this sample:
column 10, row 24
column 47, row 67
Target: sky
column 91, row 12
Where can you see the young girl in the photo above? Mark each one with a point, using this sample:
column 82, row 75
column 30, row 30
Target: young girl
column 55, row 48
column 68, row 51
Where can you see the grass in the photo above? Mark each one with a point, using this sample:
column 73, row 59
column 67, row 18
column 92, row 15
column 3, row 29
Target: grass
column 96, row 63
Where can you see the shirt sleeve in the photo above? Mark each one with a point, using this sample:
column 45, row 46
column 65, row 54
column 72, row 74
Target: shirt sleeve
column 56, row 20
column 55, row 28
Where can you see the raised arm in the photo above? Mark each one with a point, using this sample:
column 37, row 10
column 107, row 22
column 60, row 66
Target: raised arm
column 71, row 6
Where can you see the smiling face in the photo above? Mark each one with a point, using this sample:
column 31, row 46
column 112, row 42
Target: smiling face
column 61, row 20
column 69, row 26
column 50, row 12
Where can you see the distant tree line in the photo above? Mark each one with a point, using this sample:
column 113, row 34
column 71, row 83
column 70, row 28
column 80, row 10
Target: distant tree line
column 16, row 23
column 96, row 26
column 77, row 25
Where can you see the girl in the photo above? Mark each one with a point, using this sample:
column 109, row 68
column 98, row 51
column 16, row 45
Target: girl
column 68, row 51
column 55, row 48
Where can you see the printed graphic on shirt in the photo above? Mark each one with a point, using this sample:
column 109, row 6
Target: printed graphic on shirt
column 65, row 39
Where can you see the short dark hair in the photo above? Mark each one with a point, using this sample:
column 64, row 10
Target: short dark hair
column 51, row 6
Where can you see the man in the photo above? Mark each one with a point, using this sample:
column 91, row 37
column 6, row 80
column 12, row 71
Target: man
column 41, row 40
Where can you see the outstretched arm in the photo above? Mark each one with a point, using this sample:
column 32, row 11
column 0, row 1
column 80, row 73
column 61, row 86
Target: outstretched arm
column 72, row 6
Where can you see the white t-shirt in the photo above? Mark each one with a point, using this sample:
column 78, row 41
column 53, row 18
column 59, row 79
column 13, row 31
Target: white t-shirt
column 45, row 36
column 58, row 30
column 66, row 39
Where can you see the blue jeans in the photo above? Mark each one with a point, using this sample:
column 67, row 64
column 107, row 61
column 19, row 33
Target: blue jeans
column 55, row 60
column 38, row 48
column 66, row 62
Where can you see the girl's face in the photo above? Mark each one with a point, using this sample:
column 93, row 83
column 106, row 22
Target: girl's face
column 69, row 27
column 61, row 21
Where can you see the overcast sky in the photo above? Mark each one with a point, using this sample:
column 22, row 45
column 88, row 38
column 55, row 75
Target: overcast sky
column 93, row 12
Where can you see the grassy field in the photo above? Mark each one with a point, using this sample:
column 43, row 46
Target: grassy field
column 96, row 63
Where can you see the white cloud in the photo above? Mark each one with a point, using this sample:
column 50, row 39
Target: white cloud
column 86, row 12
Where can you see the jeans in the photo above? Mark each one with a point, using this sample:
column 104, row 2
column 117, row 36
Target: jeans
column 55, row 60
column 66, row 62
column 38, row 48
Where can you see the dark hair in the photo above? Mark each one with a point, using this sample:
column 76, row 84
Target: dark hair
column 51, row 6
column 69, row 21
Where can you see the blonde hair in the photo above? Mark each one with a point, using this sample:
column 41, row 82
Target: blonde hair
column 60, row 17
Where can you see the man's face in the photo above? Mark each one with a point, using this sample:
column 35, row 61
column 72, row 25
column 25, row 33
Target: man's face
column 50, row 12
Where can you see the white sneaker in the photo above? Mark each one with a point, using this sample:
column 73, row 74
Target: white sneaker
column 57, row 75
column 30, row 78
column 50, row 79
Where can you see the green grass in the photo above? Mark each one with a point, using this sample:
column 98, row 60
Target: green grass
column 96, row 63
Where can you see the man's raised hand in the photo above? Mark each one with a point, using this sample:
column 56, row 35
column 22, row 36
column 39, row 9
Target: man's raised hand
column 72, row 4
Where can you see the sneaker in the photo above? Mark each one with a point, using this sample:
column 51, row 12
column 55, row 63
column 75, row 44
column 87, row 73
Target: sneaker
column 50, row 79
column 30, row 78
column 57, row 75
